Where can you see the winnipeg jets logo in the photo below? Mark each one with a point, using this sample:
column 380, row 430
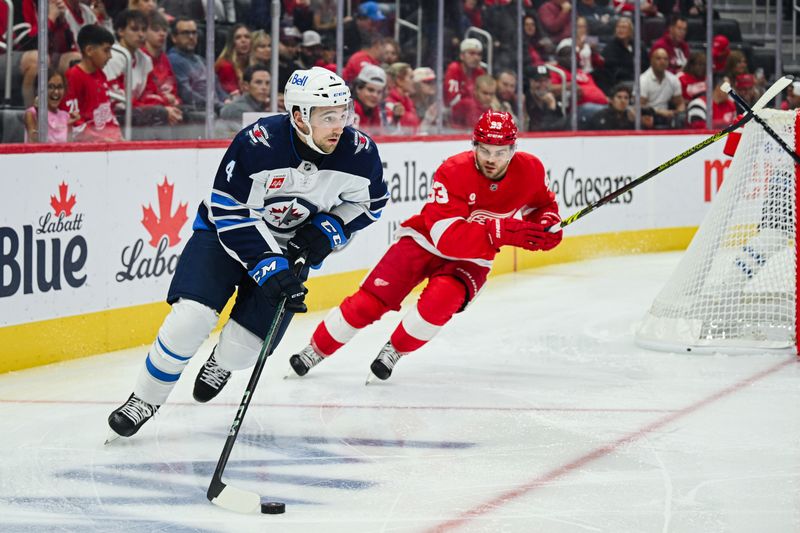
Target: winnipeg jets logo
column 258, row 134
column 285, row 215
column 361, row 142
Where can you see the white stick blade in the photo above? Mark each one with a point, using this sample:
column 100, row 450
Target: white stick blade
column 238, row 500
column 774, row 90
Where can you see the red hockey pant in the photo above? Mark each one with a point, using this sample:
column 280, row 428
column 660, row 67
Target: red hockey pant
column 451, row 285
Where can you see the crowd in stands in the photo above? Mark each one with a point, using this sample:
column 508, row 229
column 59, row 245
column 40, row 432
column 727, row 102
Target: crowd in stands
column 91, row 43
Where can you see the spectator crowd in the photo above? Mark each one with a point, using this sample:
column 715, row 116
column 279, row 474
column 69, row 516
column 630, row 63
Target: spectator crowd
column 93, row 43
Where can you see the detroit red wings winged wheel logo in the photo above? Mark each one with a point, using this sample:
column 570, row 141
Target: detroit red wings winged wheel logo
column 164, row 223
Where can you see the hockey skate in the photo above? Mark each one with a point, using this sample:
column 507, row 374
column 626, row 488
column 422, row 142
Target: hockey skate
column 305, row 360
column 129, row 417
column 382, row 366
column 210, row 380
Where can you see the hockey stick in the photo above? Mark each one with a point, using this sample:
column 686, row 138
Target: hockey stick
column 770, row 93
column 772, row 133
column 227, row 496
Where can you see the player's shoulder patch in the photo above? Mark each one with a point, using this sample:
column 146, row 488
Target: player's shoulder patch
column 258, row 134
column 359, row 141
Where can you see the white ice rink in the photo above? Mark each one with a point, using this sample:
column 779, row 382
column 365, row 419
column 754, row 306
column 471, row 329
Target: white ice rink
column 531, row 412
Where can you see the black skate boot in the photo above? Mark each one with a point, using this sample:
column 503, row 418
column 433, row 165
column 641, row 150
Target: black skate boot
column 383, row 364
column 210, row 380
column 129, row 417
column 305, row 360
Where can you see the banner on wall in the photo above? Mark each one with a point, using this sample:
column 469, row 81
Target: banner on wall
column 87, row 232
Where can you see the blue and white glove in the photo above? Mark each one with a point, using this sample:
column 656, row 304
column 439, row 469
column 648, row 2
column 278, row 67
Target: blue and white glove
column 318, row 238
column 275, row 277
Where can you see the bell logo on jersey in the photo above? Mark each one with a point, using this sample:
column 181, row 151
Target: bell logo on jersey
column 438, row 194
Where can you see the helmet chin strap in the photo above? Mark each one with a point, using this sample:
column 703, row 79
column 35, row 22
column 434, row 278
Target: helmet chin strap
column 307, row 137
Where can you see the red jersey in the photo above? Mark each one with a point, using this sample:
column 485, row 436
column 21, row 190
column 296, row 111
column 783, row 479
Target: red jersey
column 163, row 76
column 88, row 95
column 226, row 74
column 452, row 222
column 589, row 91
column 691, row 86
column 409, row 120
column 458, row 84
column 367, row 120
column 678, row 52
column 356, row 62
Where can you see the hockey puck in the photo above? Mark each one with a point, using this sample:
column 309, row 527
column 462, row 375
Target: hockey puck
column 273, row 508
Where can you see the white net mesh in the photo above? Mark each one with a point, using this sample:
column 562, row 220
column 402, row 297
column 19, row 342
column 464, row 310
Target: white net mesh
column 735, row 287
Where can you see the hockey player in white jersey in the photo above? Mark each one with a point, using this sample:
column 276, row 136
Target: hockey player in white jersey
column 287, row 186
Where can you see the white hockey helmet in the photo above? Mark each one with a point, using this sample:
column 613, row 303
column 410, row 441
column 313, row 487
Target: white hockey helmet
column 316, row 87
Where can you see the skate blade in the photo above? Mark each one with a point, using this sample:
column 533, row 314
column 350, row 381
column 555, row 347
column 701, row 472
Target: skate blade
column 111, row 437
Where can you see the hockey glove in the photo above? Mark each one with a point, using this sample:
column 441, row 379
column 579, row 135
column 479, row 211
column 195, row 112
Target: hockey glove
column 277, row 281
column 548, row 220
column 519, row 233
column 318, row 238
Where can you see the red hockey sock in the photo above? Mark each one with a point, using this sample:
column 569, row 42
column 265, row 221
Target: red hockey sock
column 443, row 296
column 343, row 322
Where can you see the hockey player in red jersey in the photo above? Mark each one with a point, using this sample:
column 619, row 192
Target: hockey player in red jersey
column 468, row 217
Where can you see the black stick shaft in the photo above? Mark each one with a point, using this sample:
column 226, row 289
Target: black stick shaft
column 772, row 133
column 658, row 170
column 216, row 485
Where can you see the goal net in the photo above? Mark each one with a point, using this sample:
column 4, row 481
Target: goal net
column 735, row 289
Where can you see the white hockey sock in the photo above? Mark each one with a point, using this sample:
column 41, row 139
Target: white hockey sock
column 238, row 348
column 186, row 327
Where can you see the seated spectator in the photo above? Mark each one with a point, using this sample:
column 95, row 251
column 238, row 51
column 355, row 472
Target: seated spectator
column 233, row 59
column 391, row 52
column 648, row 7
column 460, row 76
column 87, row 89
column 163, row 77
column 599, row 17
column 618, row 115
column 59, row 122
column 661, row 90
column 401, row 114
column 288, row 50
column 470, row 15
column 466, row 112
column 556, row 18
column 310, row 49
column 719, row 52
column 545, row 112
column 693, row 76
column 618, row 55
column 371, row 53
column 735, row 65
column 507, row 93
column 253, row 98
column 792, row 97
column 674, row 43
column 260, row 48
column 745, row 86
column 190, row 68
column 591, row 98
column 367, row 97
column 150, row 108
column 424, row 97
column 538, row 46
column 723, row 109
column 589, row 59
column 324, row 17
column 64, row 21
column 500, row 20
column 357, row 29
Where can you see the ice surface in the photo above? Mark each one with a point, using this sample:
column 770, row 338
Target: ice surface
column 532, row 411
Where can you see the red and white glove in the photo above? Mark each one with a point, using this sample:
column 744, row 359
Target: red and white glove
column 519, row 233
column 549, row 220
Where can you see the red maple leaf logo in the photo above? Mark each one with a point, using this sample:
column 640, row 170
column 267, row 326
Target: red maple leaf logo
column 164, row 224
column 62, row 204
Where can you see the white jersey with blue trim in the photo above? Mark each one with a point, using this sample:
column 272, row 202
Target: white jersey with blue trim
column 264, row 191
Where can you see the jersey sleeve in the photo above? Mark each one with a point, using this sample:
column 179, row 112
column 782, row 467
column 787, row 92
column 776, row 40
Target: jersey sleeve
column 363, row 203
column 542, row 200
column 236, row 204
column 446, row 218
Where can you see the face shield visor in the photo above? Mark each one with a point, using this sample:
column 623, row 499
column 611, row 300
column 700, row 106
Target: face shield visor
column 334, row 117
